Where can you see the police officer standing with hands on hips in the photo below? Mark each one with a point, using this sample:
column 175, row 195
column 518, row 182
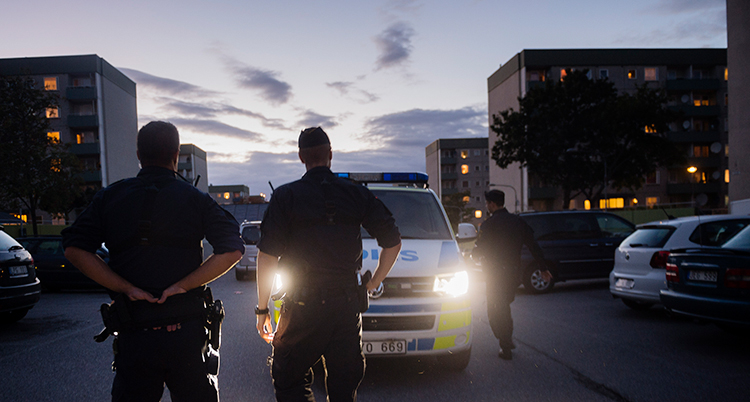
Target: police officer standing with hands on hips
column 153, row 226
column 498, row 246
column 311, row 231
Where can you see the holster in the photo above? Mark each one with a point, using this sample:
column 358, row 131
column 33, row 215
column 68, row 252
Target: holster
column 362, row 295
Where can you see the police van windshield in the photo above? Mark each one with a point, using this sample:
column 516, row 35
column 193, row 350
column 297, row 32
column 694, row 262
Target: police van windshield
column 417, row 214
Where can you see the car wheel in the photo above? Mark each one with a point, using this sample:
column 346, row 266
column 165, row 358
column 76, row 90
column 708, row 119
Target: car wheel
column 533, row 281
column 455, row 361
column 12, row 316
column 637, row 305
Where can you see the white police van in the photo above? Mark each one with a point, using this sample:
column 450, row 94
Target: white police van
column 424, row 307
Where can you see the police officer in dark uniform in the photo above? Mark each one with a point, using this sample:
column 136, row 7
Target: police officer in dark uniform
column 498, row 246
column 153, row 225
column 311, row 232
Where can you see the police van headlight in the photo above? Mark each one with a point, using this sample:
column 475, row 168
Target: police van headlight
column 455, row 284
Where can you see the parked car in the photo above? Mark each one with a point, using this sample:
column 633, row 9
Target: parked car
column 250, row 232
column 712, row 284
column 53, row 269
column 19, row 287
column 576, row 245
column 640, row 261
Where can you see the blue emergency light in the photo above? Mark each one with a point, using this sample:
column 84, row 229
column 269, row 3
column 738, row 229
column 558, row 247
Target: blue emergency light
column 393, row 177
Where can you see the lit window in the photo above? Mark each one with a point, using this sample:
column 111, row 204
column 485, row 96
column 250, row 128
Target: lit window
column 464, row 169
column 634, row 201
column 50, row 83
column 587, row 205
column 572, row 204
column 650, row 74
column 650, row 129
column 464, row 154
column 603, row 74
column 563, row 73
column 79, row 138
column 466, row 198
column 651, row 201
column 726, row 176
column 726, row 73
column 478, row 213
column 632, row 74
column 226, row 196
column 53, row 113
column 54, row 136
column 21, row 217
column 612, row 203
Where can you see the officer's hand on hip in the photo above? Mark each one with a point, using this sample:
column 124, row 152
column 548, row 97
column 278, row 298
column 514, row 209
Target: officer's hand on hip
column 171, row 291
column 263, row 324
column 139, row 294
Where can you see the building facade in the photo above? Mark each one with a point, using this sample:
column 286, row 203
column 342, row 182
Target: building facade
column 96, row 114
column 458, row 165
column 738, row 60
column 696, row 83
column 192, row 166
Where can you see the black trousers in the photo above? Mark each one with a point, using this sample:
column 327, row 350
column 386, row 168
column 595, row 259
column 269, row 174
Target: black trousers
column 149, row 359
column 501, row 292
column 319, row 324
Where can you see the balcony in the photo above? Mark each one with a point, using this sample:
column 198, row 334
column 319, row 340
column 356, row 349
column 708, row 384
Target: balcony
column 448, row 161
column 77, row 121
column 80, row 93
column 91, row 148
column 184, row 166
column 449, row 176
column 710, row 84
column 534, row 85
column 694, row 136
column 697, row 111
column 693, row 188
column 449, row 191
column 92, row 176
column 542, row 193
column 710, row 162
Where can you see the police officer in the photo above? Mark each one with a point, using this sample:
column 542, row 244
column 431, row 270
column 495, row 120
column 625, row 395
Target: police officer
column 498, row 245
column 311, row 231
column 153, row 225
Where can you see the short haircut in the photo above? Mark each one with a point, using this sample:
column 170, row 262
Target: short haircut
column 317, row 155
column 496, row 196
column 157, row 143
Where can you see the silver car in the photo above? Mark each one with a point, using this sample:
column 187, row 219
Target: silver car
column 250, row 232
column 640, row 260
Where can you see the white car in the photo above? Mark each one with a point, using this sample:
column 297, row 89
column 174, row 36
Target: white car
column 250, row 232
column 640, row 260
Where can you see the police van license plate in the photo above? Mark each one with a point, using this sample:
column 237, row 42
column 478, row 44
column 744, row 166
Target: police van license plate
column 19, row 271
column 390, row 347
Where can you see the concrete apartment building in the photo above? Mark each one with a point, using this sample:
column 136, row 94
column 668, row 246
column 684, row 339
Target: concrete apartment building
column 192, row 166
column 696, row 82
column 738, row 60
column 96, row 114
column 456, row 165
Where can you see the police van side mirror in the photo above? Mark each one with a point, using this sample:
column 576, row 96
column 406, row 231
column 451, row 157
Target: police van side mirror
column 466, row 232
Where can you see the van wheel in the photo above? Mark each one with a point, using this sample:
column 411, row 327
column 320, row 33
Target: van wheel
column 455, row 361
column 637, row 305
column 532, row 280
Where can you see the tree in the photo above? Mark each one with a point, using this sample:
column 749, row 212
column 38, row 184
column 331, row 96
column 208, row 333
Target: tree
column 37, row 170
column 582, row 136
column 456, row 209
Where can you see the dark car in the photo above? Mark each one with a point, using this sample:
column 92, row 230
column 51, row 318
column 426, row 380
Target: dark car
column 19, row 286
column 711, row 284
column 53, row 269
column 576, row 244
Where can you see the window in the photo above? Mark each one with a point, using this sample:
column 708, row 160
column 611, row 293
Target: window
column 53, row 113
column 563, row 73
column 612, row 203
column 651, row 201
column 700, row 151
column 587, row 205
column 465, row 184
column 82, row 109
column 476, row 184
column 613, row 227
column 726, row 73
column 477, row 199
column 50, row 83
column 226, row 196
column 717, row 233
column 632, row 74
column 652, row 178
column 464, row 154
column 536, row 76
column 478, row 213
column 651, row 74
column 477, row 152
column 82, row 82
column 650, row 129
column 464, row 169
column 726, row 176
column 703, row 100
column 54, row 136
column 466, row 199
column 603, row 74
column 476, row 168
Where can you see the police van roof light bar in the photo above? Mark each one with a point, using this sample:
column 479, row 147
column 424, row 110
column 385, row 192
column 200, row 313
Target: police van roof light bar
column 392, row 177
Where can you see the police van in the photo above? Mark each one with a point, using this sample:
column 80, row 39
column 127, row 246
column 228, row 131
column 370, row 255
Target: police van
column 423, row 307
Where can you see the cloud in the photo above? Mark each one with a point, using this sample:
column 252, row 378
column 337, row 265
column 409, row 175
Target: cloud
column 349, row 90
column 166, row 86
column 708, row 28
column 312, row 119
column 256, row 171
column 214, row 109
column 418, row 127
column 394, row 44
column 214, row 127
column 686, row 6
column 271, row 88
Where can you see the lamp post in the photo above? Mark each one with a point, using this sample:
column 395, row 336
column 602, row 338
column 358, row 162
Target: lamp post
column 692, row 170
column 515, row 195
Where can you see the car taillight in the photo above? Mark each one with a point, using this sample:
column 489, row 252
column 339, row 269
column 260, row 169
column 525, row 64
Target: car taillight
column 737, row 278
column 659, row 259
column 673, row 273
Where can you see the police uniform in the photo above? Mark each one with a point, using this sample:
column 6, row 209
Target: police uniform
column 153, row 226
column 313, row 225
column 499, row 243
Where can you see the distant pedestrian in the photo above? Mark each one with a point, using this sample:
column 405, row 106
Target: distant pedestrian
column 498, row 247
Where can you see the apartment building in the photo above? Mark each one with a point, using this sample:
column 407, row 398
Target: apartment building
column 192, row 165
column 738, row 59
column 696, row 83
column 96, row 114
column 456, row 165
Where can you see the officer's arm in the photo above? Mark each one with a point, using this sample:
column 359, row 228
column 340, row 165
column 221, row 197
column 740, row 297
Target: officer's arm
column 95, row 268
column 215, row 266
column 387, row 258
column 265, row 271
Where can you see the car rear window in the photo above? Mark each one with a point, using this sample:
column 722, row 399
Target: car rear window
column 7, row 242
column 653, row 237
column 739, row 242
column 718, row 232
column 562, row 226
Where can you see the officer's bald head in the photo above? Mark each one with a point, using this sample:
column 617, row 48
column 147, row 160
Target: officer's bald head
column 158, row 143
